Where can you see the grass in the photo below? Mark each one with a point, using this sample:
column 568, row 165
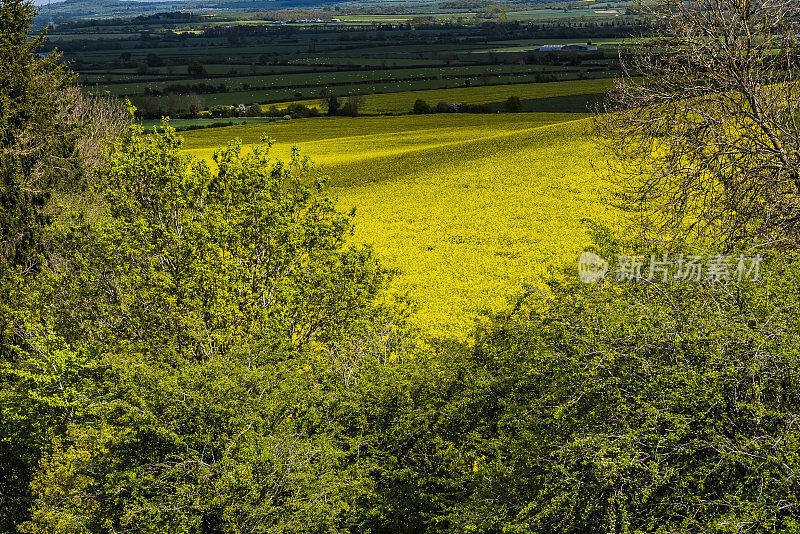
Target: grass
column 402, row 102
column 321, row 79
column 467, row 207
column 184, row 123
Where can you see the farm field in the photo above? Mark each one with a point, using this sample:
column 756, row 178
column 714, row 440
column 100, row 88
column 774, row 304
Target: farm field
column 402, row 102
column 184, row 123
column 174, row 69
column 345, row 77
column 467, row 207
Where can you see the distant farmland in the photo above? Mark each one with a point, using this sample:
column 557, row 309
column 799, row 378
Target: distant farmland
column 402, row 102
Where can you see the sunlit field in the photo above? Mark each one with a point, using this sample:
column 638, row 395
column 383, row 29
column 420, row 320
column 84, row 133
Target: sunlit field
column 468, row 208
column 402, row 102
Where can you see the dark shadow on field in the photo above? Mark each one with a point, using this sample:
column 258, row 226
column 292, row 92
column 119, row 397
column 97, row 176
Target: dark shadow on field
column 585, row 103
column 415, row 163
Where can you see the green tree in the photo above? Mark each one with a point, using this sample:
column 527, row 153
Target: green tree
column 196, row 69
column 232, row 285
column 244, row 253
column 513, row 104
column 421, row 107
column 154, row 60
column 333, row 105
column 35, row 138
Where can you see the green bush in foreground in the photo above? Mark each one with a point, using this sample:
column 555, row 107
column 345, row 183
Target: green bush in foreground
column 626, row 408
column 171, row 369
column 209, row 357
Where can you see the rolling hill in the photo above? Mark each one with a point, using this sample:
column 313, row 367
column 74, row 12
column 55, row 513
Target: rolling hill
column 468, row 208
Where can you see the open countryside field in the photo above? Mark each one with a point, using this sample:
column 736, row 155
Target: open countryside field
column 402, row 102
column 467, row 207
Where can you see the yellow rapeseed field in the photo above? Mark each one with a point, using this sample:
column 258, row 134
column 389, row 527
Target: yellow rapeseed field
column 467, row 207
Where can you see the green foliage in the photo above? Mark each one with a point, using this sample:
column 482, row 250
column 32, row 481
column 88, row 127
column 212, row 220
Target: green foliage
column 195, row 260
column 218, row 446
column 297, row 110
column 421, row 107
column 624, row 408
column 177, row 368
column 35, row 138
column 39, row 393
column 221, row 111
column 513, row 104
column 333, row 105
column 352, row 105
column 38, row 139
column 196, row 68
column 443, row 107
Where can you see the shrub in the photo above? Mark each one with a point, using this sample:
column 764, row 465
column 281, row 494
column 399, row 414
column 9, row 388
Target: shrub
column 421, row 107
column 618, row 407
column 196, row 69
column 221, row 111
column 296, row 110
column 513, row 105
column 443, row 107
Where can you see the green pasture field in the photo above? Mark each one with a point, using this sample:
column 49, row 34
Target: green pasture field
column 183, row 123
column 402, row 102
column 468, row 208
column 383, row 93
column 321, row 79
column 377, row 62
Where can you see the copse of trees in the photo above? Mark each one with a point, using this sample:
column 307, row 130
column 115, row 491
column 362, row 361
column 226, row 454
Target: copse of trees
column 352, row 106
column 421, row 107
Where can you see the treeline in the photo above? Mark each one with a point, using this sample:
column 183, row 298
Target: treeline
column 512, row 105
